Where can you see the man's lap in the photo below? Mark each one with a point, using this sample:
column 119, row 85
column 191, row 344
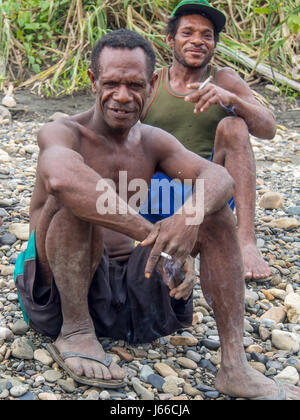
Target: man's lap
column 119, row 300
column 160, row 206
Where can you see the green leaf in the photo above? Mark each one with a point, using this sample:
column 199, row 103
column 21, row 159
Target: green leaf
column 21, row 21
column 44, row 5
column 32, row 26
column 262, row 10
column 46, row 26
column 31, row 59
column 294, row 23
column 36, row 68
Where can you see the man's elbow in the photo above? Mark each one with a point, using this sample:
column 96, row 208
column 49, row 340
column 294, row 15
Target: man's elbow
column 272, row 131
column 54, row 185
column 269, row 129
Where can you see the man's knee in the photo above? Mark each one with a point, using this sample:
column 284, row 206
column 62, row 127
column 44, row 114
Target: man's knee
column 64, row 220
column 232, row 131
column 220, row 221
column 216, row 227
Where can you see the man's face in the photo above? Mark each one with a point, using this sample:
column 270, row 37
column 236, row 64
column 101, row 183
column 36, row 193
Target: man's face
column 194, row 44
column 123, row 86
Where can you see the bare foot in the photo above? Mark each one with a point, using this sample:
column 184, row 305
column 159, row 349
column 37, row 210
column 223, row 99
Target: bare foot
column 246, row 382
column 87, row 343
column 255, row 267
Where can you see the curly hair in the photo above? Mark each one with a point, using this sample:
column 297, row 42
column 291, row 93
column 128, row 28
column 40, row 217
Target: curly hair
column 123, row 38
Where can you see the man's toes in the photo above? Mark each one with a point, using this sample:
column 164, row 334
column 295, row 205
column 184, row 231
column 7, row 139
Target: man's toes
column 101, row 372
column 117, row 372
column 76, row 368
column 89, row 372
column 248, row 275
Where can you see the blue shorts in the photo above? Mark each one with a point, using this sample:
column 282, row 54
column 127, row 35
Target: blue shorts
column 160, row 207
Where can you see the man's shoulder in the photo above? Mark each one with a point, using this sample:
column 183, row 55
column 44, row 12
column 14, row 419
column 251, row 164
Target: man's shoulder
column 228, row 78
column 61, row 131
column 225, row 72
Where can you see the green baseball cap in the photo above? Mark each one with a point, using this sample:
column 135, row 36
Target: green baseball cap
column 218, row 18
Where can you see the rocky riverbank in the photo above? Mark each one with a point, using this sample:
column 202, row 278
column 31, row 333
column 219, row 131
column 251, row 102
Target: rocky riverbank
column 182, row 366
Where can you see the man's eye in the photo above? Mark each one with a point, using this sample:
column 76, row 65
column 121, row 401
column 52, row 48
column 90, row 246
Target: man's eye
column 136, row 86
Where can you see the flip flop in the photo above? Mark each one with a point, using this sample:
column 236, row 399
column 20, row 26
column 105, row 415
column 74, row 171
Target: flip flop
column 100, row 383
column 280, row 396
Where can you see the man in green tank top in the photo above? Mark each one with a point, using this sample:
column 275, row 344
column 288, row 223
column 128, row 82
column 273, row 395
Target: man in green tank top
column 216, row 119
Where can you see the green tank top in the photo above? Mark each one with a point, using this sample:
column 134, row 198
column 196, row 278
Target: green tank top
column 167, row 110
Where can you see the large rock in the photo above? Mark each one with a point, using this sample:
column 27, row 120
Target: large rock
column 5, row 116
column 284, row 340
column 171, row 386
column 4, row 156
column 20, row 327
column 7, row 270
column 6, row 334
column 292, row 305
column 52, row 375
column 43, row 356
column 276, row 314
column 251, row 297
column 286, row 223
column 187, row 363
column 278, row 293
column 164, row 370
column 9, row 101
column 271, row 200
column 180, row 340
column 143, row 392
column 20, row 230
column 289, row 374
column 21, row 349
column 47, row 396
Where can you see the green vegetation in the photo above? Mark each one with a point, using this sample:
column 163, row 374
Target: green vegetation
column 45, row 45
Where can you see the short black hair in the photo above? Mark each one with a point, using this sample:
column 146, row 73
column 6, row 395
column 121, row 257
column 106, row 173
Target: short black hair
column 123, row 38
column 173, row 24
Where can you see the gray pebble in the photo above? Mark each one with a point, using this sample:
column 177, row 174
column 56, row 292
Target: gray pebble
column 7, row 239
column 20, row 327
column 145, row 372
column 18, row 391
column 52, row 375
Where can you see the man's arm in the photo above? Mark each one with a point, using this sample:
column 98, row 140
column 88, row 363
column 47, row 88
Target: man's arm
column 177, row 235
column 232, row 92
column 66, row 176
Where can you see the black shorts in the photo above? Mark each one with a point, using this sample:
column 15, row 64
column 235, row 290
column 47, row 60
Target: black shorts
column 122, row 302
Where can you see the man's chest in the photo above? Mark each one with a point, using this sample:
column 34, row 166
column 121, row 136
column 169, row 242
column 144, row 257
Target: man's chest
column 119, row 165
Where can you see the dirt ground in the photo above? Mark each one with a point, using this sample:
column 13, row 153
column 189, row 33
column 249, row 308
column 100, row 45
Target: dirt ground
column 30, row 106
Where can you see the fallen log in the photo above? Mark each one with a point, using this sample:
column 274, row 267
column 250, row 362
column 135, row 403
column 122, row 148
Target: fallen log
column 261, row 69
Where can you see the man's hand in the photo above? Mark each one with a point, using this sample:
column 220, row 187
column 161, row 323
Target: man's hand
column 184, row 290
column 173, row 237
column 210, row 95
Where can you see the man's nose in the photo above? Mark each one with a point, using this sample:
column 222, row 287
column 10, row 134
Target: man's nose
column 197, row 39
column 123, row 94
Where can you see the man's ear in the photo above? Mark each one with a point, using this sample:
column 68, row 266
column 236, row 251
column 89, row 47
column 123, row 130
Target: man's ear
column 93, row 80
column 152, row 83
column 170, row 41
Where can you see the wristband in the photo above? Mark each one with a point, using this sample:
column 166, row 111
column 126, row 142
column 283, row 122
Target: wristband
column 230, row 109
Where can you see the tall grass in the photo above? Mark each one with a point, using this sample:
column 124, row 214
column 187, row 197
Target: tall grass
column 45, row 45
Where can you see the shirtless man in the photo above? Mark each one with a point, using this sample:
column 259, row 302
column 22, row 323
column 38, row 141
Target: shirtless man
column 71, row 231
column 220, row 116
